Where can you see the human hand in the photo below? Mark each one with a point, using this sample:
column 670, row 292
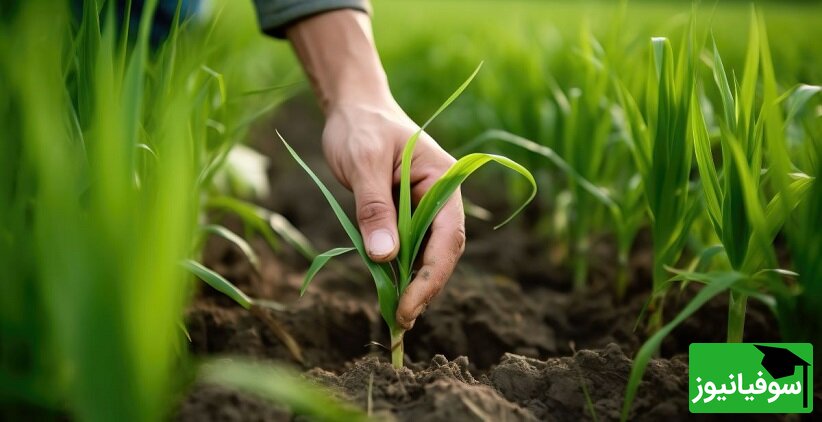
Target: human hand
column 363, row 144
column 363, row 140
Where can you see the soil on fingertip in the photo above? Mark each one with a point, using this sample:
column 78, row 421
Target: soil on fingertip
column 507, row 339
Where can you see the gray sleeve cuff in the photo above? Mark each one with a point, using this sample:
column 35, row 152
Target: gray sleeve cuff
column 275, row 15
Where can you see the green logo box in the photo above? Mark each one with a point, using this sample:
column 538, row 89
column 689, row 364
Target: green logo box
column 750, row 378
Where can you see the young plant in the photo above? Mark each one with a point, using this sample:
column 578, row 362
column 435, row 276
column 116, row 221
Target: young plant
column 800, row 314
column 587, row 153
column 623, row 207
column 662, row 151
column 587, row 124
column 411, row 226
column 745, row 226
column 108, row 152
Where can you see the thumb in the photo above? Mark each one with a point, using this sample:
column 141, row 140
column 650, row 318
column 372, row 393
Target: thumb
column 377, row 217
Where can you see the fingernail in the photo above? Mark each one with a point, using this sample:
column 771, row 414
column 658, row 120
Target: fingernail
column 381, row 243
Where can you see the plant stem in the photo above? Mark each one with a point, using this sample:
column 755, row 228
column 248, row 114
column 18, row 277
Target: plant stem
column 622, row 275
column 737, row 306
column 397, row 351
column 655, row 320
column 657, row 301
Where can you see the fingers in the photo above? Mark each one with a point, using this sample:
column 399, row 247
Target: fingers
column 376, row 215
column 445, row 246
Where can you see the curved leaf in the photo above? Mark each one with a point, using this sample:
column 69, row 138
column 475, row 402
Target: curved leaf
column 705, row 162
column 597, row 192
column 404, row 211
column 291, row 234
column 318, row 263
column 798, row 98
column 280, row 385
column 252, row 215
column 436, row 197
column 717, row 283
column 238, row 241
column 386, row 290
column 218, row 282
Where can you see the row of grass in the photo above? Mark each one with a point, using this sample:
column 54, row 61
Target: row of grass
column 111, row 154
column 709, row 139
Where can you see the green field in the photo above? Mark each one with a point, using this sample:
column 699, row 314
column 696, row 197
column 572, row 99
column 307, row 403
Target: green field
column 148, row 266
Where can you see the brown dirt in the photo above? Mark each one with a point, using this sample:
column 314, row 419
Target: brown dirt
column 506, row 340
column 517, row 388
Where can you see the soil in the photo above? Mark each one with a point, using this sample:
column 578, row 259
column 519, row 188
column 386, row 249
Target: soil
column 508, row 339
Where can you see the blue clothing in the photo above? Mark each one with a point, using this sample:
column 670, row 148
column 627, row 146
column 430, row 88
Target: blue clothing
column 273, row 15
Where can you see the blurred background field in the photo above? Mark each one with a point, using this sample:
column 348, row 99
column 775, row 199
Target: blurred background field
column 523, row 43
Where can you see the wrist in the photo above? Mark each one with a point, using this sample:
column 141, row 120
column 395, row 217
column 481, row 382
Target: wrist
column 357, row 87
column 338, row 54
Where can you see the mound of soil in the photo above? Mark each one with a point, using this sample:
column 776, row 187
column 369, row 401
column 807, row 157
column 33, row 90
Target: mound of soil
column 517, row 388
column 590, row 384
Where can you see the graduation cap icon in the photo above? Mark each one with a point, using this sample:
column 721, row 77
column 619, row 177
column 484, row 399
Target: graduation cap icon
column 781, row 362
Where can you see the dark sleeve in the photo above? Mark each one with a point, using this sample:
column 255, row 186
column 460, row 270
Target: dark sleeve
column 275, row 15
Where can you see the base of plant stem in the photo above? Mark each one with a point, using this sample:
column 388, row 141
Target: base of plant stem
column 397, row 349
column 737, row 305
column 622, row 277
column 655, row 320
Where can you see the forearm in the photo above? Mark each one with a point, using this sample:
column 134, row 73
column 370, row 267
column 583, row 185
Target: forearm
column 337, row 51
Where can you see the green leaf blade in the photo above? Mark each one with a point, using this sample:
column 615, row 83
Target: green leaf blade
column 218, row 282
column 318, row 263
column 716, row 284
column 386, row 289
column 404, row 211
column 437, row 196
column 236, row 240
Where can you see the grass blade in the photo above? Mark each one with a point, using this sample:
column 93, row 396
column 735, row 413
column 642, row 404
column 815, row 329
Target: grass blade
column 236, row 240
column 441, row 191
column 386, row 290
column 252, row 215
column 318, row 263
column 280, row 385
column 705, row 163
column 404, row 210
column 596, row 191
column 218, row 282
column 291, row 234
column 716, row 284
column 721, row 80
column 799, row 98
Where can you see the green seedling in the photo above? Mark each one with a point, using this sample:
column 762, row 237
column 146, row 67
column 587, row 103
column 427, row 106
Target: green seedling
column 744, row 224
column 106, row 165
column 412, row 226
column 662, row 151
column 745, row 218
column 623, row 207
column 800, row 314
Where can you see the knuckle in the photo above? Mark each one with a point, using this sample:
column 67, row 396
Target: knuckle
column 459, row 240
column 373, row 210
column 434, row 290
column 368, row 147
